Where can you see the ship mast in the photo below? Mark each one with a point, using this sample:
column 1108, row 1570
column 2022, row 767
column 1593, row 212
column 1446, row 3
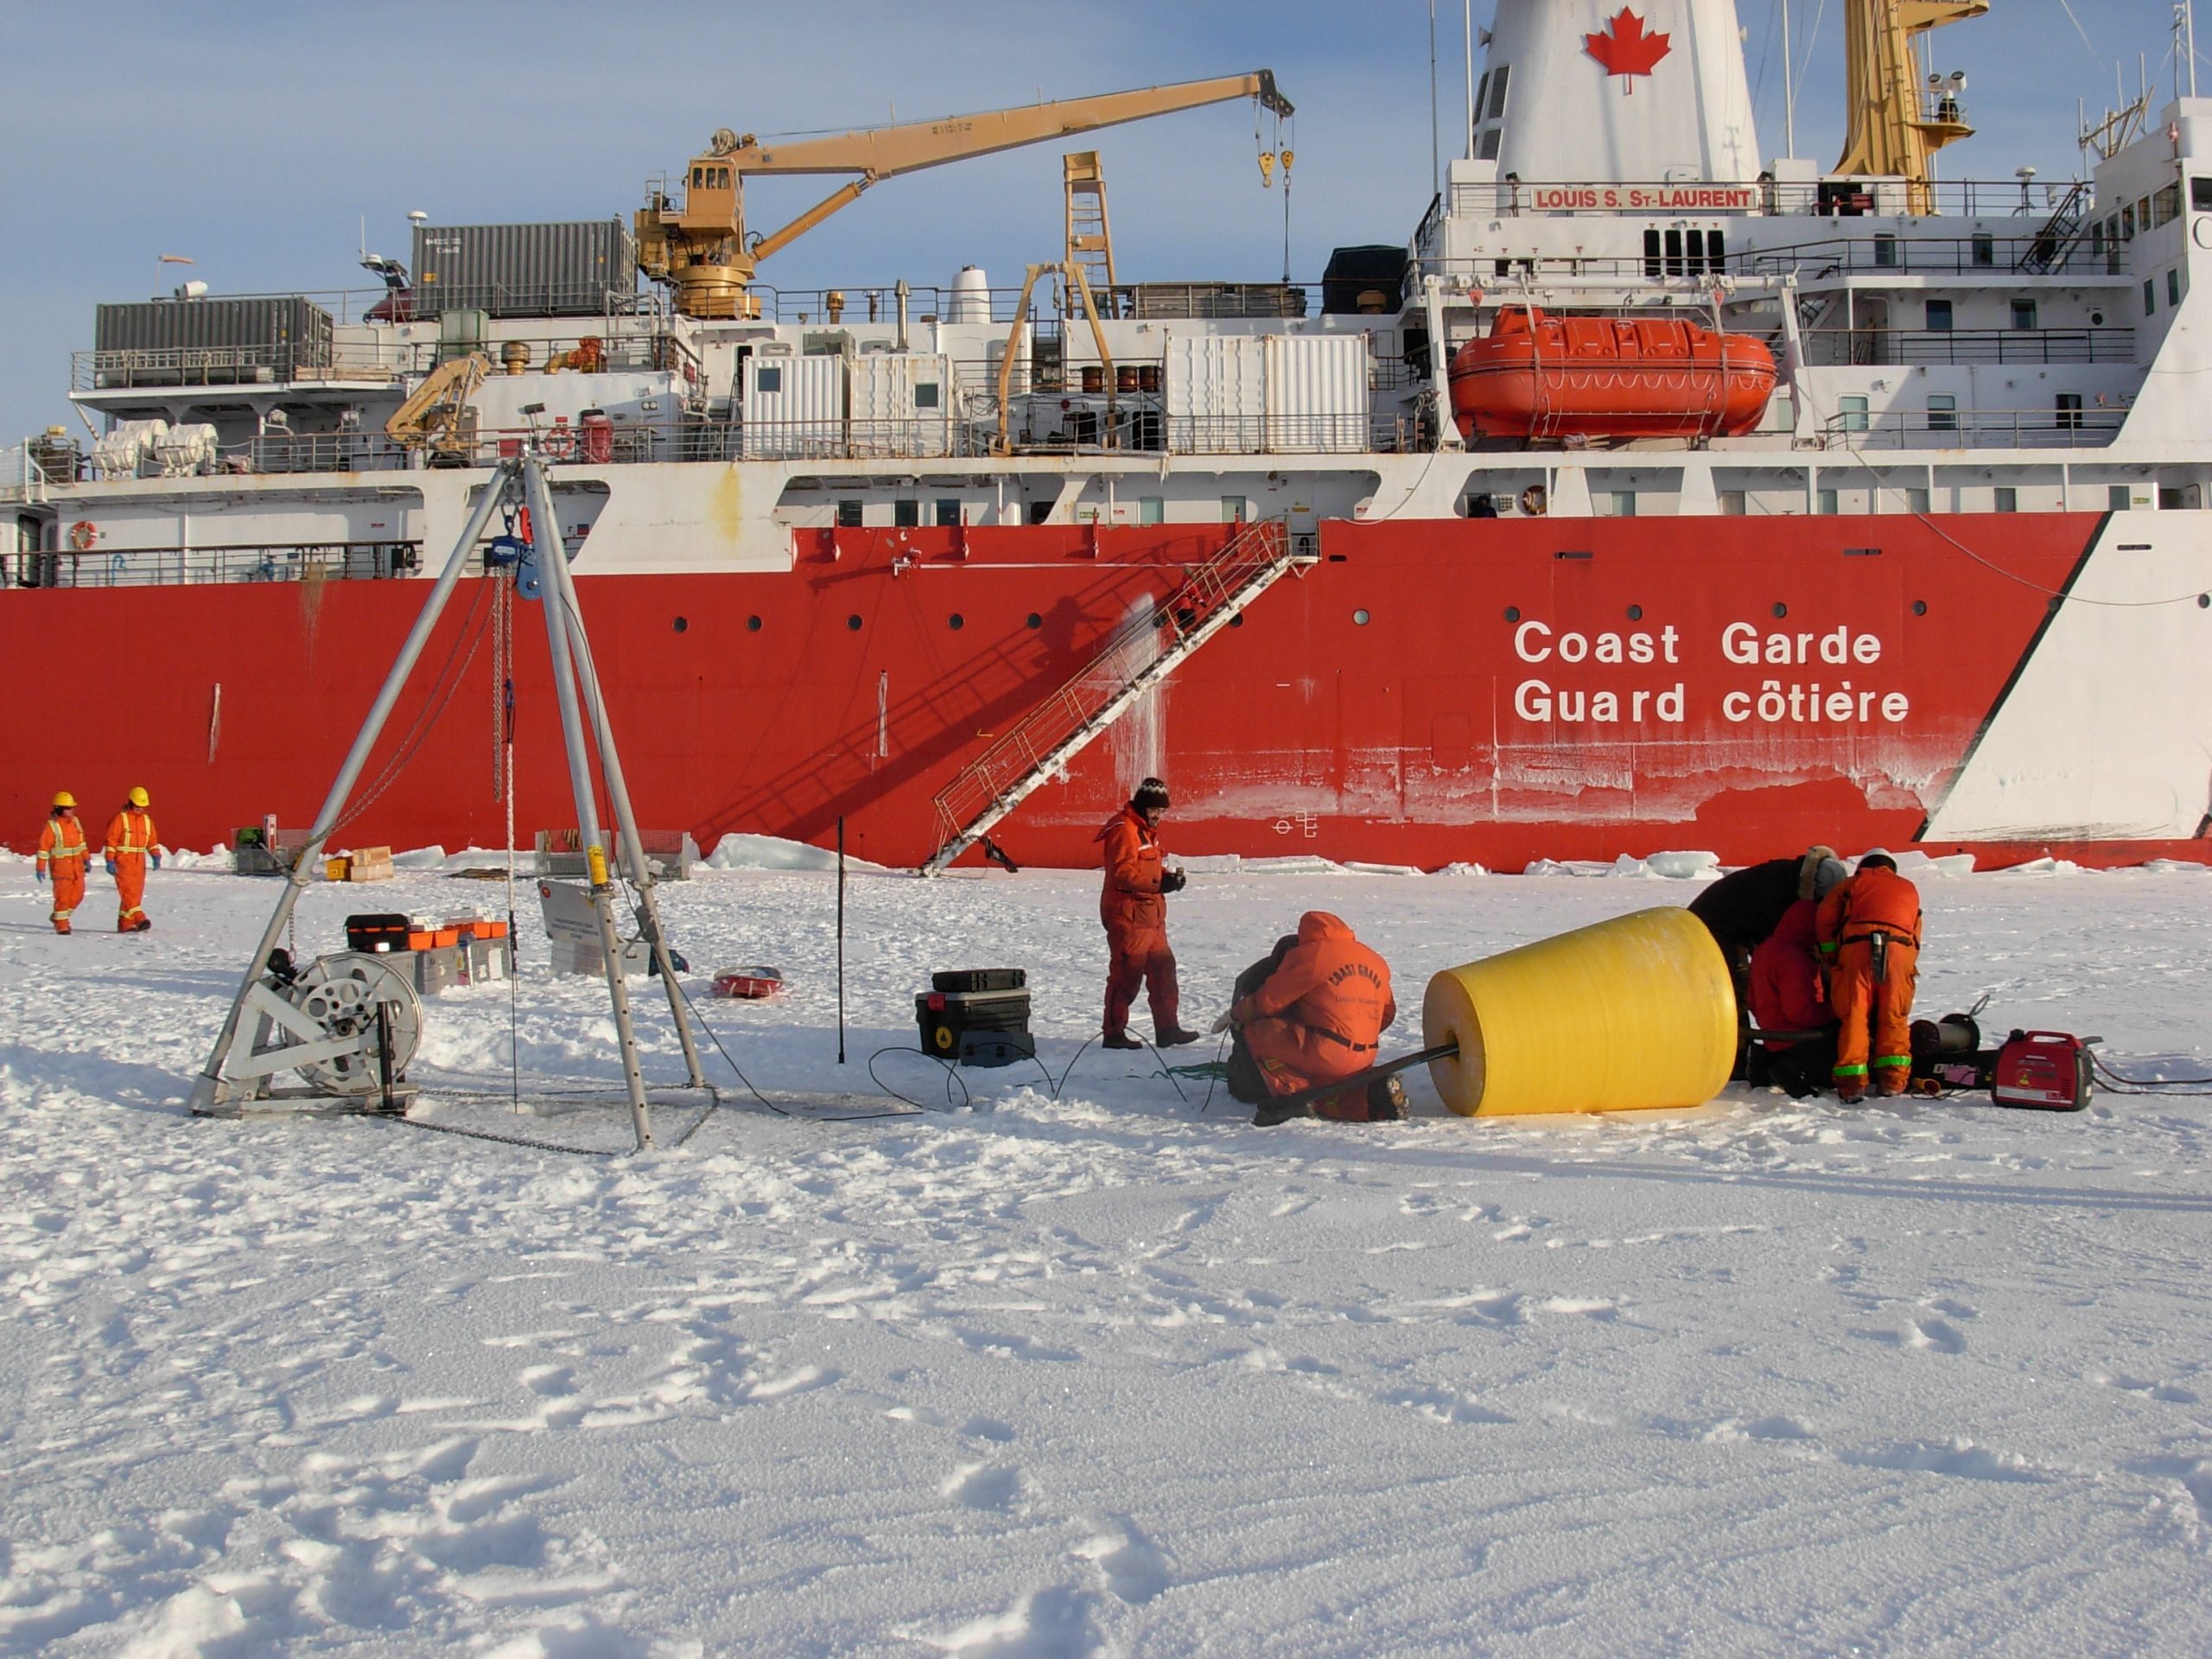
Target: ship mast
column 1892, row 131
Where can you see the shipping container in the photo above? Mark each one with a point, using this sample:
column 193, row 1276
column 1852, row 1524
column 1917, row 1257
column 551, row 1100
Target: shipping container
column 794, row 407
column 574, row 268
column 1216, row 393
column 900, row 403
column 217, row 342
column 1319, row 400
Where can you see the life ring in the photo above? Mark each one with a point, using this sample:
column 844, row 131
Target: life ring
column 83, row 534
column 1535, row 501
column 558, row 443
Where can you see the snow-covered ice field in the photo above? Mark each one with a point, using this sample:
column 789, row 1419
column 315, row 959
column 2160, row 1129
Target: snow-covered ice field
column 1098, row 1374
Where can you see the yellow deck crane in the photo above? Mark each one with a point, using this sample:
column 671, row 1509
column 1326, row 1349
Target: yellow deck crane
column 1893, row 129
column 700, row 244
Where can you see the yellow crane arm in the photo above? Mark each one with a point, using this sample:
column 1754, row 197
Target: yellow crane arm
column 429, row 414
column 882, row 152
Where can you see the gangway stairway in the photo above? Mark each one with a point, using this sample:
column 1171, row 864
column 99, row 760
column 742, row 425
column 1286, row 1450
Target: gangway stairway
column 1136, row 659
column 2047, row 249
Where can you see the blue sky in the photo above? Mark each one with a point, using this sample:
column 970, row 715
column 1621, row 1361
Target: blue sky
column 256, row 138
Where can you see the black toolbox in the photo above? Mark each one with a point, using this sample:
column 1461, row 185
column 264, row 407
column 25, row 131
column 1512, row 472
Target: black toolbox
column 975, row 1028
column 377, row 932
column 979, row 979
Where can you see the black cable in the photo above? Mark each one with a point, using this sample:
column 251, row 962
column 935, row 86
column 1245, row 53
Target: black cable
column 2120, row 1083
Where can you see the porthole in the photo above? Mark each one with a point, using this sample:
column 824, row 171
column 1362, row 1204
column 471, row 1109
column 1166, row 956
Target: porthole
column 1359, row 619
column 2204, row 601
column 1636, row 613
column 956, row 621
column 681, row 624
column 753, row 625
column 1920, row 607
column 1237, row 621
column 1782, row 610
column 854, row 623
column 1035, row 620
column 1513, row 613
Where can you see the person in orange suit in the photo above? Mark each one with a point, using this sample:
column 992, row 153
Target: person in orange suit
column 1317, row 1015
column 130, row 844
column 63, row 852
column 1789, row 992
column 1870, row 937
column 1134, row 908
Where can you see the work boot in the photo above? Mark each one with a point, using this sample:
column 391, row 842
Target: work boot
column 1175, row 1036
column 1851, row 1093
column 1386, row 1101
column 1119, row 1040
column 61, row 927
column 1274, row 1112
column 144, row 925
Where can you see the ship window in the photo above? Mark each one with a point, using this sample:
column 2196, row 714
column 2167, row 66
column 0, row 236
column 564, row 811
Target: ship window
column 2069, row 411
column 1359, row 619
column 2008, row 499
column 2173, row 286
column 1490, row 141
column 2116, row 498
column 1917, row 501
column 1942, row 412
column 1920, row 607
column 848, row 515
column 1854, row 413
column 1152, row 510
column 2024, row 314
column 2150, row 298
column 2200, row 195
column 1513, row 613
column 1035, row 620
column 1939, row 316
column 1781, row 611
column 753, row 625
column 1482, row 95
column 681, row 624
column 1826, row 505
column 2127, row 223
column 925, row 394
column 2143, row 214
column 1041, row 513
column 854, row 623
column 768, row 377
column 948, row 511
column 1735, row 503
column 1984, row 248
column 1885, row 250
column 1232, row 509
column 1716, row 249
column 2168, row 205
column 1497, row 79
column 1624, row 504
column 2170, row 499
column 1673, row 253
column 956, row 621
column 1651, row 254
column 905, row 514
column 1693, row 242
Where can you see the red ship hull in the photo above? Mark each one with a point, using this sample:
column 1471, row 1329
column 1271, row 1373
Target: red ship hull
column 1430, row 692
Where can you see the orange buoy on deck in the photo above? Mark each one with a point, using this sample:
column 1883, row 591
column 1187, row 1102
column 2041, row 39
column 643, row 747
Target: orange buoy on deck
column 1535, row 376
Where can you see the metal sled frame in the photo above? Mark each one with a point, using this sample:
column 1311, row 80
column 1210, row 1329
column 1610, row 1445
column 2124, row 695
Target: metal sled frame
column 231, row 1084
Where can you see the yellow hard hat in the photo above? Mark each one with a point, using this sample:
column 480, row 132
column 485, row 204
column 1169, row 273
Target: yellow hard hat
column 64, row 798
column 139, row 797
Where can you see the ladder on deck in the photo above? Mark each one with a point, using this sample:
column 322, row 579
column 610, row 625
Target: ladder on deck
column 1091, row 238
column 1134, row 661
column 2048, row 248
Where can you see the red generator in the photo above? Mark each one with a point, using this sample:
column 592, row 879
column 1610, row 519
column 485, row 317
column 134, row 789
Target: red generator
column 2042, row 1070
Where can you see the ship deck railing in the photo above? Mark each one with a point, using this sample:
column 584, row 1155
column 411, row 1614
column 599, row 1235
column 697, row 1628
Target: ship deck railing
column 1974, row 429
column 1872, row 348
column 355, row 363
column 1886, row 255
column 1852, row 198
column 175, row 567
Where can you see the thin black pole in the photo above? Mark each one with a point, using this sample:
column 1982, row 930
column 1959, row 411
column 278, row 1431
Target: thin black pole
column 841, row 941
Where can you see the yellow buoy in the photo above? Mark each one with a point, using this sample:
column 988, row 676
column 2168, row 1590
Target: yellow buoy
column 1625, row 1014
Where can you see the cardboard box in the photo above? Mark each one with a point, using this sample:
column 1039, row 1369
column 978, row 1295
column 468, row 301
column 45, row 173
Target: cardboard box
column 370, row 864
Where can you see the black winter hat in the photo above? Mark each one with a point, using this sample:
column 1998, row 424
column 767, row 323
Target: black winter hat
column 1151, row 796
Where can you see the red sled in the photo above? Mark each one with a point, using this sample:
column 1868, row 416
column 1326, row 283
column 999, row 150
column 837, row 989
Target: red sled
column 2041, row 1070
column 749, row 984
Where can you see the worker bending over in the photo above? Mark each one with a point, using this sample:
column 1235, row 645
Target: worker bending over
column 1134, row 908
column 1789, row 992
column 1870, row 936
column 130, row 843
column 1312, row 1012
column 63, row 852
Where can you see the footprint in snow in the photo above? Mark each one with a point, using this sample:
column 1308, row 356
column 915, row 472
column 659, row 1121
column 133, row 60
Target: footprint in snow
column 1132, row 1567
column 983, row 1486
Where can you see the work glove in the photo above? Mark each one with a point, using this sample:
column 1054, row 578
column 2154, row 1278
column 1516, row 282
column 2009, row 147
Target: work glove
column 1173, row 881
column 111, row 867
column 40, row 873
column 156, row 857
column 1222, row 1024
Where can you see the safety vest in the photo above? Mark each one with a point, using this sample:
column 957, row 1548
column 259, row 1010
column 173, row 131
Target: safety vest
column 54, row 844
column 131, row 832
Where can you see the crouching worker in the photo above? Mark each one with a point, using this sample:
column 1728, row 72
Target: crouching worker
column 1312, row 1012
column 1787, row 992
column 1870, row 936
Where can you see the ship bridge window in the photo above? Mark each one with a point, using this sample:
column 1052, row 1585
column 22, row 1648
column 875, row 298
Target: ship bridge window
column 1984, row 249
column 2167, row 204
column 1939, row 316
column 1651, row 254
column 2024, row 314
column 1489, row 148
column 1498, row 77
column 1673, row 253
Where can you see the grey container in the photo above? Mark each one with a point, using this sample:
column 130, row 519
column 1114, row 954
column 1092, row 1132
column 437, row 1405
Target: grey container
column 575, row 269
column 214, row 342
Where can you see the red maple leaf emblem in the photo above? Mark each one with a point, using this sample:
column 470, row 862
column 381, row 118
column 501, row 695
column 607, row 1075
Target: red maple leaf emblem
column 1625, row 49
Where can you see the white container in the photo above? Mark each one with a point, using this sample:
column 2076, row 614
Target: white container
column 1216, row 393
column 794, row 408
column 901, row 404
column 1318, row 399
column 972, row 296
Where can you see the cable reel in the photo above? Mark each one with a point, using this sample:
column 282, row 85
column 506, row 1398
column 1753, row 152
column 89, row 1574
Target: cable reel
column 347, row 1023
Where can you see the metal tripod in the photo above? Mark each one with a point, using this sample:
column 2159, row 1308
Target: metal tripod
column 224, row 1083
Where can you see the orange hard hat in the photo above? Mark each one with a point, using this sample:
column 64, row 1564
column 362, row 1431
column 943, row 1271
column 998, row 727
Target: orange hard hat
column 64, row 798
column 139, row 797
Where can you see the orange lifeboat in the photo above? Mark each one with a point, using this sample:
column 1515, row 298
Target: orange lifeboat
column 1536, row 376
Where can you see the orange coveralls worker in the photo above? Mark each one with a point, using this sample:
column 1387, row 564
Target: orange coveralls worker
column 1870, row 937
column 130, row 843
column 63, row 852
column 1320, row 1014
column 1133, row 906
